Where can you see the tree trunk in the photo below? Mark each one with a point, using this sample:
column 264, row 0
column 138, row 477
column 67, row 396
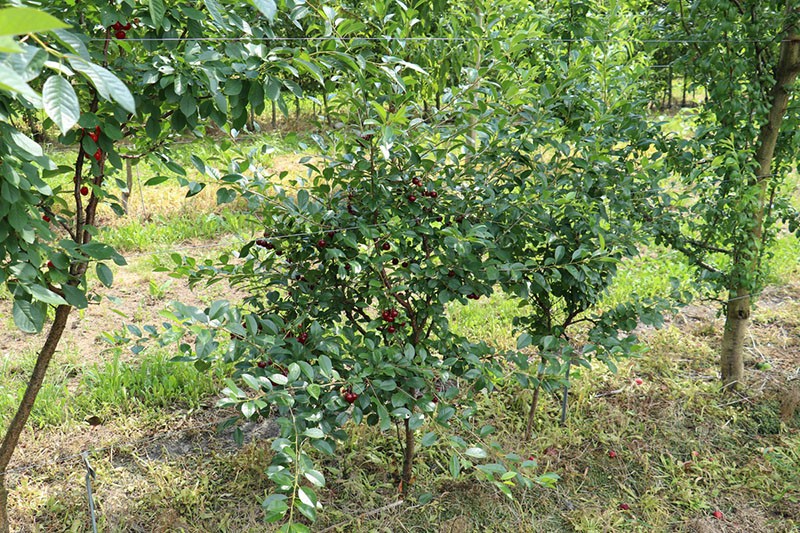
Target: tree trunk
column 737, row 315
column 24, row 410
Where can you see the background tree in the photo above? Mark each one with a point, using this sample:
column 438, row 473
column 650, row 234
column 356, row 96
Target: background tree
column 732, row 198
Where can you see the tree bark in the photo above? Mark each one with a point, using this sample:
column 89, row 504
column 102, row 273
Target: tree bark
column 24, row 410
column 737, row 312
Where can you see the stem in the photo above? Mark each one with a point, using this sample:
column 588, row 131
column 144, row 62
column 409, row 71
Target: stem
column 408, row 459
column 17, row 424
column 534, row 401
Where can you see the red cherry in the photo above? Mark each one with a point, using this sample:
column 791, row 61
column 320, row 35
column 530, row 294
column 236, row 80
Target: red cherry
column 531, row 458
column 624, row 507
column 391, row 329
column 321, row 243
column 84, row 190
column 302, row 338
column 262, row 364
column 386, row 247
column 612, row 454
column 412, row 198
column 94, row 136
column 98, row 155
column 350, row 397
column 97, row 130
column 331, row 234
column 718, row 514
column 120, row 34
column 638, row 381
column 278, row 252
column 405, row 264
column 46, row 218
column 117, row 25
column 262, row 242
column 433, row 194
column 451, row 273
column 435, row 399
column 50, row 264
column 416, row 181
column 127, row 26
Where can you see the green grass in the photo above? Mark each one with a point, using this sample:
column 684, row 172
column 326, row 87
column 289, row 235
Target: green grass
column 167, row 231
column 73, row 391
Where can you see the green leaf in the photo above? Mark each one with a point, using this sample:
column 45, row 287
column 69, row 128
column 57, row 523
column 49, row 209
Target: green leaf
column 455, row 465
column 28, row 317
column 275, row 507
column 61, row 103
column 74, row 296
column 478, row 453
column 14, row 83
column 316, row 478
column 313, row 390
column 45, row 295
column 314, row 433
column 325, row 366
column 524, row 341
column 157, row 12
column 104, row 274
column 22, row 20
column 107, row 84
column 267, row 8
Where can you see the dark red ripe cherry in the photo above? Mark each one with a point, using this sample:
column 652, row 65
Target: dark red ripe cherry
column 451, row 273
column 97, row 130
column 50, row 264
column 46, row 218
column 350, row 397
column 262, row 242
column 98, row 155
column 262, row 364
column 347, row 266
column 321, row 243
column 127, row 26
column 302, row 338
column 386, row 247
column 405, row 264
column 120, row 34
column 84, row 190
column 433, row 194
column 278, row 252
column 331, row 234
column 391, row 329
column 435, row 399
column 117, row 25
column 416, row 181
column 412, row 198
column 395, row 260
column 93, row 135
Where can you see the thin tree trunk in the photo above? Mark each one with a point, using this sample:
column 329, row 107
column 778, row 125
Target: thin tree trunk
column 274, row 115
column 534, row 401
column 126, row 195
column 408, row 458
column 24, row 410
column 737, row 313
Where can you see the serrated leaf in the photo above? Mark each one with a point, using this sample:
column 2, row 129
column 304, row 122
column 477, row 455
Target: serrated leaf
column 157, row 12
column 267, row 8
column 478, row 453
column 316, row 478
column 45, row 295
column 61, row 103
column 22, row 20
column 104, row 274
column 27, row 316
column 107, row 84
